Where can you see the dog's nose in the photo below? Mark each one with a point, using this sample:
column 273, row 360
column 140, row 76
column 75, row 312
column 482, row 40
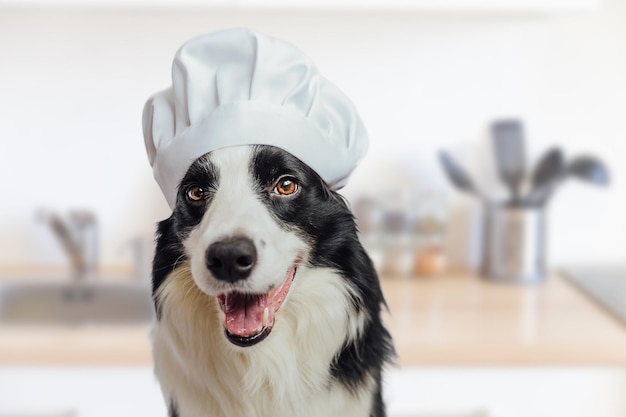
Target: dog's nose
column 232, row 259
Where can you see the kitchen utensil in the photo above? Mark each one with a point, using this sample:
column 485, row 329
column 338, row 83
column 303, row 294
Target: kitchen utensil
column 458, row 176
column 508, row 141
column 548, row 168
column 514, row 244
column 585, row 168
column 589, row 169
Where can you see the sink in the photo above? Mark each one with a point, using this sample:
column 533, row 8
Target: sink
column 72, row 303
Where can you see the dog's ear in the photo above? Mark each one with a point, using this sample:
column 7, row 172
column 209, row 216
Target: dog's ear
column 333, row 195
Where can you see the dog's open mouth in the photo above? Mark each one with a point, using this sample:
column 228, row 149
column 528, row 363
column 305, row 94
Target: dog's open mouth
column 249, row 318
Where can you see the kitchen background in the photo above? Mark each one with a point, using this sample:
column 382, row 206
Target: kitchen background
column 74, row 81
column 425, row 76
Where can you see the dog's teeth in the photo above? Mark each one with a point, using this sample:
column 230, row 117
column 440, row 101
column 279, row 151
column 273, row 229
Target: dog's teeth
column 266, row 316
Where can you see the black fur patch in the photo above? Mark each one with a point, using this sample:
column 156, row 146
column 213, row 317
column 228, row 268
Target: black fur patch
column 323, row 218
column 169, row 252
column 172, row 231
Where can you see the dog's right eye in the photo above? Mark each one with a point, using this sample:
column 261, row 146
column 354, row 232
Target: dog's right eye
column 196, row 194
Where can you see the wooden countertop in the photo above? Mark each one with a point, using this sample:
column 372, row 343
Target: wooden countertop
column 446, row 321
column 463, row 320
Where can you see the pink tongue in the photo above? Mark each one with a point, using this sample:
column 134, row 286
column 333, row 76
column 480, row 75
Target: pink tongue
column 244, row 313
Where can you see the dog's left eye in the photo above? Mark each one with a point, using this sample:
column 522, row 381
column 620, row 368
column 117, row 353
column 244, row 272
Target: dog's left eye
column 286, row 186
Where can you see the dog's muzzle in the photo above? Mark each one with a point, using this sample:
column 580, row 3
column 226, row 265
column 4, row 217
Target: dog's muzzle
column 248, row 317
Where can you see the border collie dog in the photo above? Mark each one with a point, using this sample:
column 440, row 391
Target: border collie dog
column 267, row 305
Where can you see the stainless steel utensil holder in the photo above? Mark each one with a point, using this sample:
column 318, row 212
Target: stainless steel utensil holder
column 514, row 244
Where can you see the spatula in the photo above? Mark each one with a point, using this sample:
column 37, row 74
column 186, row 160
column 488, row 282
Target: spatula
column 589, row 169
column 584, row 168
column 458, row 176
column 508, row 142
column 548, row 169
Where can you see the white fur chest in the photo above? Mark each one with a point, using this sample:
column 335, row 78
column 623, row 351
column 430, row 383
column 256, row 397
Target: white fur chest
column 286, row 375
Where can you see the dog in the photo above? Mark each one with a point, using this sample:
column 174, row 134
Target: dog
column 267, row 304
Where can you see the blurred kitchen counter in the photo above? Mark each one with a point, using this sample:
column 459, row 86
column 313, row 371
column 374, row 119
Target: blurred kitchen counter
column 454, row 320
column 466, row 320
column 75, row 346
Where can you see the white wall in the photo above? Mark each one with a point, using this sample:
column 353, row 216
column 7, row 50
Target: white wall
column 73, row 83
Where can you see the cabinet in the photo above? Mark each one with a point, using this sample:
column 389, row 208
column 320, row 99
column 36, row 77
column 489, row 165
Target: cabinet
column 507, row 392
column 489, row 392
column 80, row 392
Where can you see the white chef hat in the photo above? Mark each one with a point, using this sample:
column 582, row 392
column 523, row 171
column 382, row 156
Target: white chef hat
column 238, row 87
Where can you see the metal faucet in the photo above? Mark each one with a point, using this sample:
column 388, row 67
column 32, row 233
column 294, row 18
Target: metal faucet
column 78, row 235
